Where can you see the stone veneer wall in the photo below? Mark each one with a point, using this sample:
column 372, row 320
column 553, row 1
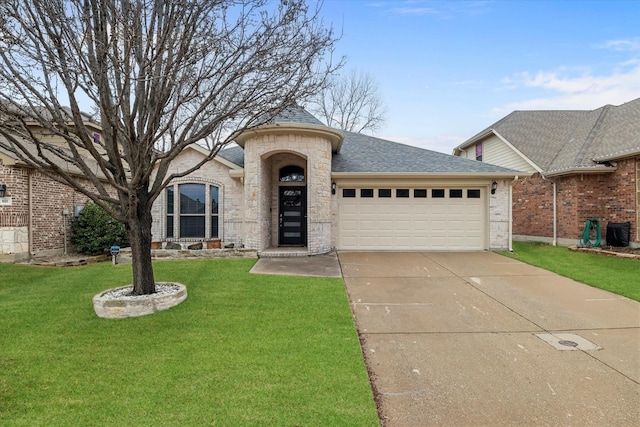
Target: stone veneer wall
column 263, row 154
column 214, row 173
column 499, row 216
column 14, row 240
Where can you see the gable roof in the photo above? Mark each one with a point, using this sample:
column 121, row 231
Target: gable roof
column 558, row 141
column 362, row 153
column 233, row 154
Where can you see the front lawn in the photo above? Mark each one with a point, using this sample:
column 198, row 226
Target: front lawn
column 242, row 349
column 617, row 275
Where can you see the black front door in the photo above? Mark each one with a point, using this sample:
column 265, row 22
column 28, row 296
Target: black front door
column 293, row 216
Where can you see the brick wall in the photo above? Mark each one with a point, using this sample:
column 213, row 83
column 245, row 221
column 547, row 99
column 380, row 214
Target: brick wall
column 533, row 207
column 611, row 197
column 50, row 199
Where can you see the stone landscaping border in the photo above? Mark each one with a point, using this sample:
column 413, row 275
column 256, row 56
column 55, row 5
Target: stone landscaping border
column 601, row 251
column 118, row 303
column 75, row 262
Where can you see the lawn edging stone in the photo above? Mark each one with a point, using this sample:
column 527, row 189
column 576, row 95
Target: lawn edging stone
column 118, row 303
column 600, row 251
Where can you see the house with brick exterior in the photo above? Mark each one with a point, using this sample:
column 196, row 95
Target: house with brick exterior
column 576, row 165
column 35, row 210
column 296, row 186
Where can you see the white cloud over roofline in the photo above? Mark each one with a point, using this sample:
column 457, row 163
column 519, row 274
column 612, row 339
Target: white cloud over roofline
column 580, row 88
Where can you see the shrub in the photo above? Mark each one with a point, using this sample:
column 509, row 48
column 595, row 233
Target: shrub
column 94, row 231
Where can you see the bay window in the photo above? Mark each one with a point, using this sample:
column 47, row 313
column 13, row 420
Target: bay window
column 196, row 208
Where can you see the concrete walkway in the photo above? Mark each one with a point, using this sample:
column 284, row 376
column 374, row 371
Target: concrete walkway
column 477, row 339
column 318, row 266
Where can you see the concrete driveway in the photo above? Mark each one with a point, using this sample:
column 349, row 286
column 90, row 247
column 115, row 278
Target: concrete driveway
column 477, row 339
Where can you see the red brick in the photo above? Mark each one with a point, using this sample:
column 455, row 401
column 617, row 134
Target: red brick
column 611, row 197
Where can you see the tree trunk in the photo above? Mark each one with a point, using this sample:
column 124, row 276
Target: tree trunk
column 140, row 240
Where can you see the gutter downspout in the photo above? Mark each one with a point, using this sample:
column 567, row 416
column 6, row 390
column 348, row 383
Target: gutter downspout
column 555, row 215
column 555, row 210
column 30, row 204
column 511, row 214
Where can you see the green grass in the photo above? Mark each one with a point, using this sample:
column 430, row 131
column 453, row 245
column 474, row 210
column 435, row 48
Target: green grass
column 618, row 275
column 241, row 350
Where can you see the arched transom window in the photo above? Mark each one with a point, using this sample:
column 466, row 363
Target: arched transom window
column 292, row 173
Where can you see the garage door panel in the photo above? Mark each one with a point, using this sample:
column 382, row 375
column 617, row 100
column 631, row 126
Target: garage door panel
column 367, row 225
column 412, row 223
column 385, row 241
column 385, row 209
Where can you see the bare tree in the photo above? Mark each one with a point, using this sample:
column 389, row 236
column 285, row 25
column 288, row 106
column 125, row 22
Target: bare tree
column 161, row 75
column 350, row 103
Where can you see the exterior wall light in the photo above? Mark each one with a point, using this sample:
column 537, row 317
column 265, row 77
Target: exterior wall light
column 3, row 190
column 333, row 188
column 494, row 187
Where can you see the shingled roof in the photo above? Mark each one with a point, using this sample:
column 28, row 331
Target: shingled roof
column 558, row 140
column 366, row 154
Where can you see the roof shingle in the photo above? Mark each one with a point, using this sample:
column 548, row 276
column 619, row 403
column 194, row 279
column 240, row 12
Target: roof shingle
column 558, row 140
column 362, row 153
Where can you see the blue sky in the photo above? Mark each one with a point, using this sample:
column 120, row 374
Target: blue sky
column 448, row 69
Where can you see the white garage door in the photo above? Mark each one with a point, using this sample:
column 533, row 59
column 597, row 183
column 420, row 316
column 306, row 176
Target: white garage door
column 412, row 219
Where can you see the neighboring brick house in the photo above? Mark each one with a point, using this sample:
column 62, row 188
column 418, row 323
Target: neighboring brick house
column 35, row 211
column 576, row 165
column 296, row 186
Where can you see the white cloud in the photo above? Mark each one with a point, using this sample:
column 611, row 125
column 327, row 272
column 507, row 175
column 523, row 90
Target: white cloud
column 476, row 83
column 584, row 91
column 622, row 45
column 439, row 8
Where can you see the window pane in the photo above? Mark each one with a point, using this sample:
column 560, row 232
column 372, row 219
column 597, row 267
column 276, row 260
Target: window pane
column 214, row 226
column 455, row 194
column 473, row 194
column 214, row 200
column 192, row 199
column 384, row 193
column 402, row 192
column 192, row 226
column 348, row 192
column 419, row 194
column 170, row 200
column 437, row 193
column 170, row 226
column 366, row 192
